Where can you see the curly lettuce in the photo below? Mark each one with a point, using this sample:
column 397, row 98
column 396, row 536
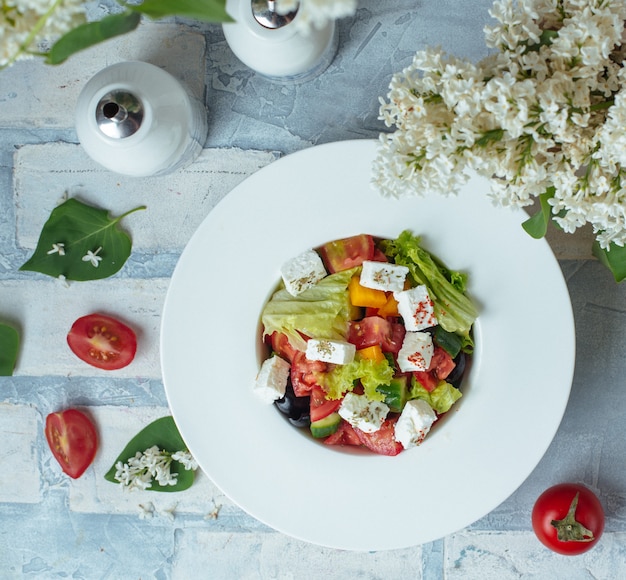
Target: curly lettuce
column 441, row 398
column 455, row 312
column 370, row 373
column 322, row 311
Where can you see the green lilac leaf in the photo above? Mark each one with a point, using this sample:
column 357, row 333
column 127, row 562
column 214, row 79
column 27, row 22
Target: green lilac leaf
column 205, row 10
column 537, row 225
column 9, row 346
column 165, row 435
column 92, row 33
column 614, row 258
column 81, row 228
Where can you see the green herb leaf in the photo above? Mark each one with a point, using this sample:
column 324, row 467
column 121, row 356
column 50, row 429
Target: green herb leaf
column 9, row 345
column 75, row 231
column 537, row 225
column 614, row 258
column 165, row 435
column 206, row 10
column 92, row 33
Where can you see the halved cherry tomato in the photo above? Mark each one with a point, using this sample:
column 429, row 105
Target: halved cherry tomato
column 347, row 253
column 382, row 441
column 305, row 373
column 102, row 341
column 320, row 406
column 373, row 330
column 281, row 346
column 568, row 518
column 72, row 439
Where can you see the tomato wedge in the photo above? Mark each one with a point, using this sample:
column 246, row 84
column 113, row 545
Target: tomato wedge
column 347, row 253
column 305, row 373
column 320, row 406
column 281, row 346
column 102, row 342
column 442, row 364
column 382, row 441
column 72, row 439
column 374, row 330
column 345, row 435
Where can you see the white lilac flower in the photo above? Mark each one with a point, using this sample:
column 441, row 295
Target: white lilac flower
column 316, row 13
column 142, row 469
column 57, row 249
column 25, row 25
column 546, row 109
column 93, row 257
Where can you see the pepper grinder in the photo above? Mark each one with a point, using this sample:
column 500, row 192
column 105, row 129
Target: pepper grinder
column 272, row 45
column 136, row 119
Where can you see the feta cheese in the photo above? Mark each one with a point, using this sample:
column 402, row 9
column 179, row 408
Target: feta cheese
column 331, row 351
column 383, row 276
column 414, row 423
column 272, row 379
column 360, row 412
column 416, row 352
column 416, row 308
column 302, row 272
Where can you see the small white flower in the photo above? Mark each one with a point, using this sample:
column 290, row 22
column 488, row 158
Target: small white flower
column 57, row 249
column 153, row 464
column 93, row 257
column 184, row 457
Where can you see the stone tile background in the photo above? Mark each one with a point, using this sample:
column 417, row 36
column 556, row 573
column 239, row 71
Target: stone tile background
column 53, row 527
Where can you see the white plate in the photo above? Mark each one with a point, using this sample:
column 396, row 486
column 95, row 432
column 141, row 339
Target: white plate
column 513, row 401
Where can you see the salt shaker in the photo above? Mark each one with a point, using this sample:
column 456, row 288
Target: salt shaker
column 136, row 119
column 272, row 45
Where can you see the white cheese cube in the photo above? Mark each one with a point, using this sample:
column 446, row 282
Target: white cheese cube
column 414, row 423
column 302, row 272
column 416, row 308
column 383, row 276
column 272, row 379
column 360, row 412
column 416, row 352
column 330, row 351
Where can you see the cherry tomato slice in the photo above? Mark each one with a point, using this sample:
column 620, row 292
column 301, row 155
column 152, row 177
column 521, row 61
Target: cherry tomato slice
column 568, row 518
column 72, row 439
column 102, row 342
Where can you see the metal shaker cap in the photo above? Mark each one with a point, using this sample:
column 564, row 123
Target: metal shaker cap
column 119, row 114
column 264, row 12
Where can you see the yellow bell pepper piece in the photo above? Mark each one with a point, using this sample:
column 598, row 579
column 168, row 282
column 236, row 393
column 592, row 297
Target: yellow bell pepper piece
column 374, row 353
column 362, row 296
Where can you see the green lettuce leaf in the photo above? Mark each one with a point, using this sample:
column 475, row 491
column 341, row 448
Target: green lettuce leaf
column 371, row 374
column 441, row 398
column 9, row 346
column 455, row 312
column 321, row 312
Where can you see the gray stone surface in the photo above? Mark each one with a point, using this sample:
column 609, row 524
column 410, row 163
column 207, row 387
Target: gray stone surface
column 53, row 527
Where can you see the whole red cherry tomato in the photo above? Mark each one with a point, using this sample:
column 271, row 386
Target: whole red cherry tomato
column 568, row 518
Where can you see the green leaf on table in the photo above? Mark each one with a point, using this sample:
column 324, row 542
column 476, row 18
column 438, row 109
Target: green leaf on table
column 80, row 242
column 614, row 258
column 92, row 33
column 205, row 10
column 537, row 225
column 165, row 435
column 9, row 345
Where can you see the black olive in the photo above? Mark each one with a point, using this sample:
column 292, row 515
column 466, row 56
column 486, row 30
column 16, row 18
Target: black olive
column 303, row 421
column 292, row 406
column 456, row 376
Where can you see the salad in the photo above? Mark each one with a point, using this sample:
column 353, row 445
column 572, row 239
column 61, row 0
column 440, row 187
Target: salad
column 368, row 342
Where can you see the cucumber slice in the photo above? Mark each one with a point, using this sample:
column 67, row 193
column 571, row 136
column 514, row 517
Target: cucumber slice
column 326, row 426
column 396, row 393
column 450, row 342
